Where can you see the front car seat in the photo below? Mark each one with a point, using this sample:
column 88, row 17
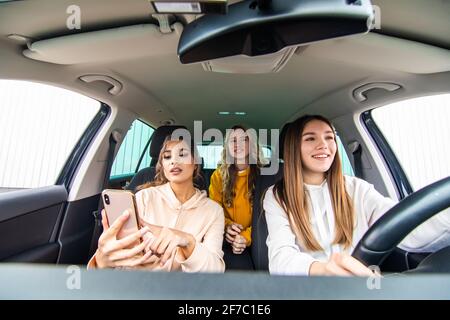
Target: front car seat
column 259, row 225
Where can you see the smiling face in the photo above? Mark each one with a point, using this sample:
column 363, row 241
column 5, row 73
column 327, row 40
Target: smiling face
column 177, row 162
column 318, row 148
column 238, row 145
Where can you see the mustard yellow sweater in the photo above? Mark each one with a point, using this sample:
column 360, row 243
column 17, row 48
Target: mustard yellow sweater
column 241, row 209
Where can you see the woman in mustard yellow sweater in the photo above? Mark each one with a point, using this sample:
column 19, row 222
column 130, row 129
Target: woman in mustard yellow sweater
column 232, row 185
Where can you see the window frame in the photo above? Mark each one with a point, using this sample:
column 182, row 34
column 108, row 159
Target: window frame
column 146, row 147
column 402, row 184
column 68, row 172
column 141, row 156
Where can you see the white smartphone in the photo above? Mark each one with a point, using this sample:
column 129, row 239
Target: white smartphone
column 116, row 202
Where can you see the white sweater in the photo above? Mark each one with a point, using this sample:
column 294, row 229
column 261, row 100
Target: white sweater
column 288, row 256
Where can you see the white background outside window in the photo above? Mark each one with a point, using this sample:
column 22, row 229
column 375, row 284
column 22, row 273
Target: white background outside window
column 39, row 127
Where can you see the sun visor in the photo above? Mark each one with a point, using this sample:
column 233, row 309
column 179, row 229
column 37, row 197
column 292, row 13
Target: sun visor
column 378, row 51
column 122, row 43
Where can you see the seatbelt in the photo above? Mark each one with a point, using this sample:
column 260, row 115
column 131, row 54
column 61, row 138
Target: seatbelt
column 113, row 138
column 357, row 159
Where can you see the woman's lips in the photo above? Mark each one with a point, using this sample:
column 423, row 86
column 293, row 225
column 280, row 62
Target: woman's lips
column 321, row 157
column 175, row 171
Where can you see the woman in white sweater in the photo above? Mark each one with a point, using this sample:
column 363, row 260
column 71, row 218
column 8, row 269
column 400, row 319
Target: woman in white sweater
column 316, row 215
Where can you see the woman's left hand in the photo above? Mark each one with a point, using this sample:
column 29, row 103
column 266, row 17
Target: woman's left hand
column 166, row 240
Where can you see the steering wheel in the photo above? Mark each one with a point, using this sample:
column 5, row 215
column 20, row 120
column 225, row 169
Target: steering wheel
column 384, row 236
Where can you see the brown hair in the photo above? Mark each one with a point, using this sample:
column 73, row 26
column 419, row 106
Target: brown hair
column 291, row 195
column 228, row 171
column 160, row 178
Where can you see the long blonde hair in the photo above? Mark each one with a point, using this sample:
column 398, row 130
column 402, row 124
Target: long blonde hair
column 228, row 171
column 160, row 178
column 291, row 195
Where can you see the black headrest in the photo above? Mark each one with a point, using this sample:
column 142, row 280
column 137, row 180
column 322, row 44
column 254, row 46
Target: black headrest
column 158, row 138
column 282, row 137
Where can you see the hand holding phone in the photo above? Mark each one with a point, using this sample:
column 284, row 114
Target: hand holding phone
column 116, row 202
column 120, row 244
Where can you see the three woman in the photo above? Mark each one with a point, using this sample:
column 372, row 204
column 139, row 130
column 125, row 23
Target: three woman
column 316, row 215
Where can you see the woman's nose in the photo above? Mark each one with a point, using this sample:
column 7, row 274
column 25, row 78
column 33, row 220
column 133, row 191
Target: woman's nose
column 322, row 144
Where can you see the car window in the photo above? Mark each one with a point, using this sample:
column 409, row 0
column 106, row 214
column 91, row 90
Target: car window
column 417, row 131
column 131, row 149
column 211, row 155
column 347, row 168
column 39, row 127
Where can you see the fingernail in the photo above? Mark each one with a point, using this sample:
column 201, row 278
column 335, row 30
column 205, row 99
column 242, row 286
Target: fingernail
column 144, row 230
column 126, row 213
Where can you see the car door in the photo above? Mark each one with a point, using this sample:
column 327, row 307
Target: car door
column 44, row 133
column 412, row 135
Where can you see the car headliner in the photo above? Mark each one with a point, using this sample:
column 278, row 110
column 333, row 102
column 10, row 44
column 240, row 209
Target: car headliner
column 412, row 49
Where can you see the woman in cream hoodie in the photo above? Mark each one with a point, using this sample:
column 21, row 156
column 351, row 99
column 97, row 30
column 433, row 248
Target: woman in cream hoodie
column 182, row 228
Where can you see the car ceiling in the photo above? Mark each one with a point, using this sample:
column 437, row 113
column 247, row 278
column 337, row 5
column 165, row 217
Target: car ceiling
column 159, row 87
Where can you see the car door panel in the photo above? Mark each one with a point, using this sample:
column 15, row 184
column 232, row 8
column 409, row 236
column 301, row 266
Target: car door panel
column 28, row 222
column 76, row 231
column 47, row 253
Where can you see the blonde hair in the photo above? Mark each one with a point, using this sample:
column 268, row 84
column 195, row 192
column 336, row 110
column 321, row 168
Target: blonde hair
column 291, row 195
column 228, row 171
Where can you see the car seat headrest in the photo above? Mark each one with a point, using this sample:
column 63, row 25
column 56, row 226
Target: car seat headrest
column 158, row 138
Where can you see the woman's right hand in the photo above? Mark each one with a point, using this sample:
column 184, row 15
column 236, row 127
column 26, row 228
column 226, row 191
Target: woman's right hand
column 231, row 231
column 112, row 253
column 340, row 264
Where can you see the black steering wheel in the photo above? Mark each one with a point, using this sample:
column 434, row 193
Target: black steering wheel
column 384, row 236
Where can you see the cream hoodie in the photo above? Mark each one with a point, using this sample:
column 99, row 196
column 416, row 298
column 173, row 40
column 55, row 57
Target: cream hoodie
column 199, row 216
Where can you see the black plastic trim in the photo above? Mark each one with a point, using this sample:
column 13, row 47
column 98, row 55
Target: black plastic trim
column 18, row 203
column 68, row 172
column 47, row 253
column 398, row 174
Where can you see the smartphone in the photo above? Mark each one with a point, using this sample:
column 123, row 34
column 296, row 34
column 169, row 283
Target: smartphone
column 116, row 202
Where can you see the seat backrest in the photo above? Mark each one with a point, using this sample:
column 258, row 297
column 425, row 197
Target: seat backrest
column 207, row 174
column 259, row 224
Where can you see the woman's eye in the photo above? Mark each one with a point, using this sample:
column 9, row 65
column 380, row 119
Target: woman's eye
column 167, row 157
column 330, row 138
column 309, row 139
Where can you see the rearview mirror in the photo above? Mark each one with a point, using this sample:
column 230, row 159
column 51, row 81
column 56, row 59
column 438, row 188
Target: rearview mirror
column 259, row 27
